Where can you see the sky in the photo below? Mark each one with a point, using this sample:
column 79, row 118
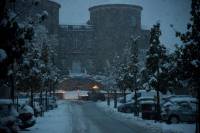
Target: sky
column 166, row 12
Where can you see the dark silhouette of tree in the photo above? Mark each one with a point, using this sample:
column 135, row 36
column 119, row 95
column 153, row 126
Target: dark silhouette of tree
column 189, row 62
column 156, row 56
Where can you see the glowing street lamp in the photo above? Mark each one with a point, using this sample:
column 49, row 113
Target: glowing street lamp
column 95, row 87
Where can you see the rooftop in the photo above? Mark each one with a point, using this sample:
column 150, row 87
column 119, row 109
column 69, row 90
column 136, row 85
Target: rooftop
column 114, row 6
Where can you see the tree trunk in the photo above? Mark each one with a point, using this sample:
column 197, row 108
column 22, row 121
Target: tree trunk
column 115, row 99
column 2, row 8
column 31, row 97
column 136, row 112
column 46, row 100
column 124, row 94
column 108, row 98
column 198, row 116
column 12, row 94
column 158, row 106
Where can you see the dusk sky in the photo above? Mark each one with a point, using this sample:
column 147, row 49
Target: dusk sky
column 166, row 12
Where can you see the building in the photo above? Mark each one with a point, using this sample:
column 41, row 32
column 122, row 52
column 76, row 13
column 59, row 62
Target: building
column 90, row 48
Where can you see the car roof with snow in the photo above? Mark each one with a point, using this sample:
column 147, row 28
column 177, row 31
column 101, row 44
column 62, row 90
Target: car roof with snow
column 147, row 102
column 146, row 98
column 180, row 99
column 5, row 101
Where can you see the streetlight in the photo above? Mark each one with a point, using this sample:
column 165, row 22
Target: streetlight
column 95, row 87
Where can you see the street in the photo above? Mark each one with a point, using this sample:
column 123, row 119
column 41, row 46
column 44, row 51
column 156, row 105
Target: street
column 73, row 116
column 88, row 118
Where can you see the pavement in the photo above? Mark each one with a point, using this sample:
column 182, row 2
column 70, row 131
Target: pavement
column 89, row 118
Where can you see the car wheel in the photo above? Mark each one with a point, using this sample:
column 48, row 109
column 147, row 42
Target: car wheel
column 173, row 119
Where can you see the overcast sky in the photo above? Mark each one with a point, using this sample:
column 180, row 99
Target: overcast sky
column 167, row 12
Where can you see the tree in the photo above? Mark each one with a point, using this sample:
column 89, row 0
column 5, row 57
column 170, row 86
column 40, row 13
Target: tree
column 13, row 38
column 189, row 61
column 156, row 56
column 134, row 71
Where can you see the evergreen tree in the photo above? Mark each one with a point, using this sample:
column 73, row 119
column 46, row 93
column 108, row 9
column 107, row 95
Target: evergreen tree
column 156, row 56
column 189, row 62
column 133, row 75
column 121, row 80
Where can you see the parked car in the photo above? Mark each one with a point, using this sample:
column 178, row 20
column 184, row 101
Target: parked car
column 179, row 110
column 37, row 109
column 129, row 98
column 148, row 109
column 95, row 96
column 52, row 102
column 144, row 99
column 84, row 98
column 41, row 102
column 26, row 116
column 177, row 98
column 8, row 117
column 127, row 107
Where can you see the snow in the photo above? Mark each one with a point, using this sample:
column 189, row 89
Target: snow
column 150, row 125
column 26, row 109
column 75, row 94
column 179, row 99
column 11, row 15
column 5, row 101
column 54, row 121
column 45, row 13
column 195, row 63
column 3, row 55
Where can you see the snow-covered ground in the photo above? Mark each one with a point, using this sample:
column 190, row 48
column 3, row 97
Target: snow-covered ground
column 54, row 121
column 148, row 124
column 60, row 120
column 75, row 94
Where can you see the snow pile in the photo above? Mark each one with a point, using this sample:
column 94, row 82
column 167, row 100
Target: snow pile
column 3, row 55
column 149, row 125
column 55, row 121
column 195, row 63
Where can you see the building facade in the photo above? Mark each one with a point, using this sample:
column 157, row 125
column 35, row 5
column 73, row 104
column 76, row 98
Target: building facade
column 90, row 48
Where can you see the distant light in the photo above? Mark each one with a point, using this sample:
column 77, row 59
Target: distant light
column 95, row 87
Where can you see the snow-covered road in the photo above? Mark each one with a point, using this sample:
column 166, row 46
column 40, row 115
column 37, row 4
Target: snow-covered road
column 90, row 117
column 81, row 117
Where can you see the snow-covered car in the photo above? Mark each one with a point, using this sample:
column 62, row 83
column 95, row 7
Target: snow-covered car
column 52, row 102
column 177, row 98
column 41, row 101
column 37, row 109
column 179, row 109
column 8, row 117
column 129, row 98
column 26, row 115
column 127, row 107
